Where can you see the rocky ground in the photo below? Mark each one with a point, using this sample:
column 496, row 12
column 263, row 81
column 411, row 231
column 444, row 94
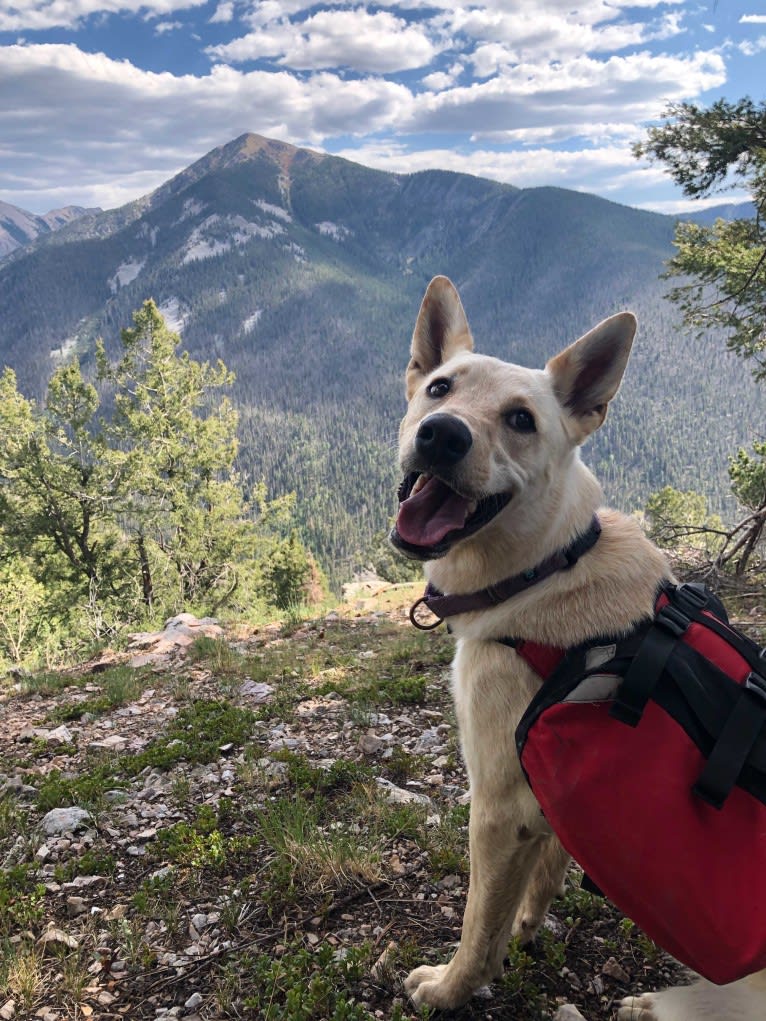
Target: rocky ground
column 261, row 824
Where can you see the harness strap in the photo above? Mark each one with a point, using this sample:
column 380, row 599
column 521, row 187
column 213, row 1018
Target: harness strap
column 735, row 743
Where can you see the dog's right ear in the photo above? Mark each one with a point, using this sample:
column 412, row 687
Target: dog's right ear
column 441, row 331
column 587, row 374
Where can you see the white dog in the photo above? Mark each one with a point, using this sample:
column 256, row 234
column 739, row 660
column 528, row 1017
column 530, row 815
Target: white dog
column 494, row 486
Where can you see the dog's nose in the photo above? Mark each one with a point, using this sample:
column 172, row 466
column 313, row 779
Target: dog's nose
column 442, row 440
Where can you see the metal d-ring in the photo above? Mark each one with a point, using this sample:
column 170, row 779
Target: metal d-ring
column 416, row 623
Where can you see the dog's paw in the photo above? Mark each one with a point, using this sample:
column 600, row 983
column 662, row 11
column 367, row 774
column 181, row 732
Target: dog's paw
column 429, row 986
column 638, row 1008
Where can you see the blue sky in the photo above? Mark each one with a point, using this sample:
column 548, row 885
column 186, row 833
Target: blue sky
column 103, row 100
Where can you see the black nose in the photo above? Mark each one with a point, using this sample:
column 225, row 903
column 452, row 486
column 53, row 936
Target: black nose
column 442, row 440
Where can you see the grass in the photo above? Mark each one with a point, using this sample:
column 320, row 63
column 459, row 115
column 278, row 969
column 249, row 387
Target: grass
column 119, row 685
column 309, row 858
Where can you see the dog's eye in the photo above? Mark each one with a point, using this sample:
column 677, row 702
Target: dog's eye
column 521, row 420
column 439, row 388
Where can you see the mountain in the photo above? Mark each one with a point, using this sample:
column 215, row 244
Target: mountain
column 726, row 211
column 304, row 272
column 19, row 228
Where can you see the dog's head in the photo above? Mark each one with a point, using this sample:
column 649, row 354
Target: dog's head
column 484, row 439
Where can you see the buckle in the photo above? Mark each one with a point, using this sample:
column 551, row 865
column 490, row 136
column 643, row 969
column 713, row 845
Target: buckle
column 757, row 684
column 671, row 619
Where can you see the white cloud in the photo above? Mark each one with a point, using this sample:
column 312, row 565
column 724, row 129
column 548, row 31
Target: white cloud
column 674, row 206
column 43, row 14
column 632, row 88
column 223, row 14
column 750, row 47
column 356, row 39
column 753, row 19
column 162, row 27
column 113, row 131
column 606, row 169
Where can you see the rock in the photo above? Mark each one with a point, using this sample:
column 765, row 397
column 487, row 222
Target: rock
column 568, row 1012
column 398, row 796
column 65, row 820
column 8, row 1010
column 259, row 691
column 61, row 735
column 75, row 906
column 614, row 970
column 370, row 744
column 429, row 741
column 114, row 742
column 53, row 936
column 194, row 1001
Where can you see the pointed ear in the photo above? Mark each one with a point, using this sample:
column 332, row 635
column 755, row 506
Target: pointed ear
column 587, row 374
column 441, row 331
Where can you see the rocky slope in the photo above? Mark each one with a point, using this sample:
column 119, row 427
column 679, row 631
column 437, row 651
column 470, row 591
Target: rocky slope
column 261, row 824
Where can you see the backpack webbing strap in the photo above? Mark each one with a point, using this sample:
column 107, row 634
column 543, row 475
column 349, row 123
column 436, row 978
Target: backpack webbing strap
column 646, row 668
column 734, row 744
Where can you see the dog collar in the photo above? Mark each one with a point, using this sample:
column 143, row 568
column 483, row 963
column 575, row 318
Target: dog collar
column 443, row 606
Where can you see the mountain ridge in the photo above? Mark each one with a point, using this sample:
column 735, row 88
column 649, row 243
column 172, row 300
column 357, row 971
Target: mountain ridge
column 19, row 227
column 304, row 272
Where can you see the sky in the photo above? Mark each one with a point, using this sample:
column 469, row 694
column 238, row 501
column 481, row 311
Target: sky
column 101, row 101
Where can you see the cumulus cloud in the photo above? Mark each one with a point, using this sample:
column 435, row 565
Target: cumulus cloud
column 223, row 14
column 544, row 95
column 43, row 14
column 568, row 86
column 355, row 39
column 753, row 19
column 111, row 120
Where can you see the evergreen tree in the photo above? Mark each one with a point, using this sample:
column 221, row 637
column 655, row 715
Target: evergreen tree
column 723, row 266
column 118, row 512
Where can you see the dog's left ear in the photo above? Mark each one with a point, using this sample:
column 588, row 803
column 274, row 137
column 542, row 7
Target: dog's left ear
column 587, row 374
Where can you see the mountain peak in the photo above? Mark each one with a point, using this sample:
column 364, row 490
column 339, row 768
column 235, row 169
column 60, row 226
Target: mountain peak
column 250, row 146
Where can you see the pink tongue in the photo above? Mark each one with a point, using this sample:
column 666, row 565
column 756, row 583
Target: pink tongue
column 426, row 517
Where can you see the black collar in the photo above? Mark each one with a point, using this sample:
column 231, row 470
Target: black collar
column 443, row 606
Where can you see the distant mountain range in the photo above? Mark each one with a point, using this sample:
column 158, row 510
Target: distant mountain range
column 19, row 228
column 304, row 273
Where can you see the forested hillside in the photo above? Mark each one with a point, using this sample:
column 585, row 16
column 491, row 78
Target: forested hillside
column 304, row 273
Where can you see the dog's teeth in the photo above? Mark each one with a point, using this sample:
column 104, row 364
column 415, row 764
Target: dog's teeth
column 472, row 507
column 421, row 481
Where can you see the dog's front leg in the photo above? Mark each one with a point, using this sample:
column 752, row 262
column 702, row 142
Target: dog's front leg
column 501, row 862
column 505, row 830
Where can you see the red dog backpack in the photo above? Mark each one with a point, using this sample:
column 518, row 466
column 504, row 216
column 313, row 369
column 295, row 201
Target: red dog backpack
column 647, row 755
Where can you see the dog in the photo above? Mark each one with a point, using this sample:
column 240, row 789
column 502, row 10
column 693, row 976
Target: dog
column 494, row 487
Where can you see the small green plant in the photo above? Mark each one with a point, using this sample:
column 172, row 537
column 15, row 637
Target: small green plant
column 12, row 818
column 90, row 863
column 196, row 735
column 21, row 900
column 306, row 985
column 57, row 790
column 404, row 765
column 340, row 776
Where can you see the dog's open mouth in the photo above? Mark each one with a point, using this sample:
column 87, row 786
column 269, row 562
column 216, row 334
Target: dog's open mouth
column 432, row 516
